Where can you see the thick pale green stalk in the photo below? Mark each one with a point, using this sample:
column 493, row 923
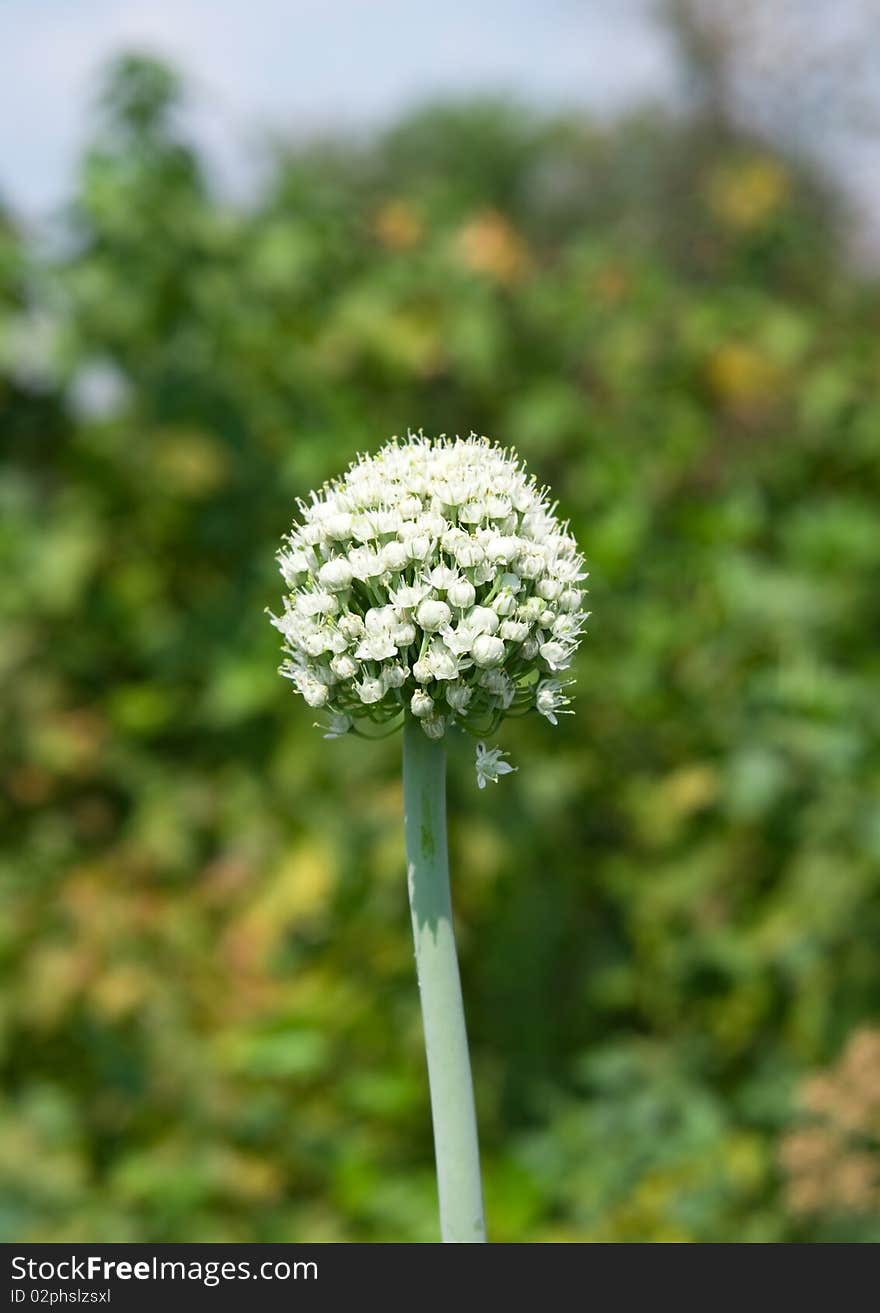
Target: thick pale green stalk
column 449, row 1067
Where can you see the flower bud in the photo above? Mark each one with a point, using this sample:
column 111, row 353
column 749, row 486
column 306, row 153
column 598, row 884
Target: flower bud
column 422, row 672
column 433, row 615
column 503, row 549
column 483, row 620
column 335, row 574
column 420, row 547
column 458, row 696
column 394, row 556
column 379, row 619
column 314, row 692
column 335, row 641
column 504, row 603
column 351, row 626
column 370, row 690
column 530, row 565
column 498, row 508
column 548, row 589
column 315, row 643
column 421, row 704
column 294, row 567
column 442, row 662
column 441, row 577
column 462, row 593
column 394, row 676
column 344, row 667
column 487, row 650
column 317, row 603
column 469, row 553
column 403, row 634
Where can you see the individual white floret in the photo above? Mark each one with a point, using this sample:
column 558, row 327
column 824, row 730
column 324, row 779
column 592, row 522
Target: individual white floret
column 490, row 765
column 393, row 556
column 458, row 696
column 483, row 620
column 336, row 574
column 442, row 578
column 370, row 690
column 313, row 690
column 488, row 650
column 551, row 701
column 557, row 655
column 394, row 676
column 513, row 631
column 461, row 594
column 344, row 667
column 351, row 626
column 408, row 596
column 442, row 662
column 421, row 704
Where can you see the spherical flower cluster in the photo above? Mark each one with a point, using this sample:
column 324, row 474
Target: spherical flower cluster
column 432, row 578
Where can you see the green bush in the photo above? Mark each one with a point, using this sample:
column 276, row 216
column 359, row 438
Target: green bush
column 669, row 916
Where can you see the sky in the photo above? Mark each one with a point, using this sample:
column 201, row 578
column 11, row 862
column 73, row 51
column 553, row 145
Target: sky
column 297, row 65
column 257, row 68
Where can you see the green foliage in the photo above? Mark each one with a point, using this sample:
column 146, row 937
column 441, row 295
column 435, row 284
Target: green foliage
column 668, row 917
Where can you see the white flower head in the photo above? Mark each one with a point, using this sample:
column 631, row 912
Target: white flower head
column 432, row 579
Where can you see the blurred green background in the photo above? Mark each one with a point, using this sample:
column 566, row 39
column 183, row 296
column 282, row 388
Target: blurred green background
column 669, row 918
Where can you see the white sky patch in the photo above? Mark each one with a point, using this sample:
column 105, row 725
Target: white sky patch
column 256, row 69
column 298, row 65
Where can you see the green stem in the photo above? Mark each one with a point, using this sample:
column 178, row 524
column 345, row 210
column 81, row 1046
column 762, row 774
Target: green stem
column 449, row 1069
